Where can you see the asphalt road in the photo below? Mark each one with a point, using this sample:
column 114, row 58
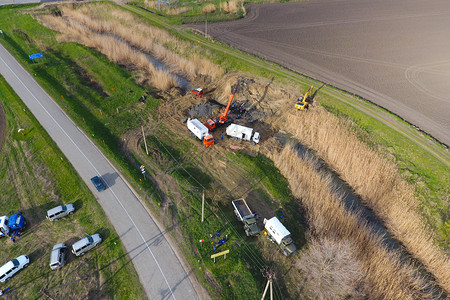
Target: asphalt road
column 393, row 53
column 158, row 267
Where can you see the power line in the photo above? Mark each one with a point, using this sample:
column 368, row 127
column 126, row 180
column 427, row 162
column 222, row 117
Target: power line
column 250, row 252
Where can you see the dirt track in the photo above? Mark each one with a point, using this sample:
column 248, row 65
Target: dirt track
column 396, row 55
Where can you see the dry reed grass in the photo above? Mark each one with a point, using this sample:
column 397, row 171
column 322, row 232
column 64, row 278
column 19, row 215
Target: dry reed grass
column 386, row 276
column 146, row 37
column 331, row 270
column 230, row 6
column 375, row 179
column 166, row 9
column 102, row 19
column 115, row 50
column 208, row 8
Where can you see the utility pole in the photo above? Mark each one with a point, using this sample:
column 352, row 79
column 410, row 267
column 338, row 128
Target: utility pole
column 143, row 135
column 270, row 275
column 203, row 205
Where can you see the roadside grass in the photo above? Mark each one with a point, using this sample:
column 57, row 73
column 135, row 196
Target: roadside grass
column 35, row 177
column 100, row 96
column 233, row 274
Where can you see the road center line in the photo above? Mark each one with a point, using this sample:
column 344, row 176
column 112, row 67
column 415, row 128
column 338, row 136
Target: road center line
column 82, row 153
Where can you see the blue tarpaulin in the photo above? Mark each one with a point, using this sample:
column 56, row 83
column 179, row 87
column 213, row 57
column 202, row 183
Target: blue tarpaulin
column 36, row 55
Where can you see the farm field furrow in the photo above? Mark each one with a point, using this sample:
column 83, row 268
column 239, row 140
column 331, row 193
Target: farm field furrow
column 393, row 54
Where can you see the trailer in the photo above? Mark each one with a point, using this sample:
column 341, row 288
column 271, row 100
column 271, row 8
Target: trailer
column 200, row 131
column 242, row 133
column 244, row 214
column 276, row 230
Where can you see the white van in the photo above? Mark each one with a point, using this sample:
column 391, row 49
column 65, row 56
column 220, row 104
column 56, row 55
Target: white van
column 12, row 267
column 86, row 244
column 58, row 256
column 60, row 211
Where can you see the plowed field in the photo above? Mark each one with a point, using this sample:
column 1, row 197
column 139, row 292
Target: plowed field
column 396, row 54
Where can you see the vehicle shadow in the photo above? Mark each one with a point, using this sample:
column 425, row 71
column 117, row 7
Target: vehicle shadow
column 110, row 178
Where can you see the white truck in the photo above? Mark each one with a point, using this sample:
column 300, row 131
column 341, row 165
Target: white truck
column 280, row 235
column 4, row 229
column 242, row 133
column 245, row 215
column 200, row 131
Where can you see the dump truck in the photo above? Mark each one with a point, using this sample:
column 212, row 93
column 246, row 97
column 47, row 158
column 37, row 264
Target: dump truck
column 245, row 215
column 200, row 131
column 276, row 230
column 242, row 133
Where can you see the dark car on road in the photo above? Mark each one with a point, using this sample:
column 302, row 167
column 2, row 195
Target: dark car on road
column 98, row 183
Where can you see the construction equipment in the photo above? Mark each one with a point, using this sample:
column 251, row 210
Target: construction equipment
column 303, row 103
column 200, row 131
column 223, row 118
column 198, row 92
column 244, row 214
column 242, row 133
column 281, row 235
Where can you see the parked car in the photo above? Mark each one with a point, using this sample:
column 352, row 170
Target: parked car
column 86, row 244
column 12, row 267
column 98, row 183
column 58, row 212
column 58, row 256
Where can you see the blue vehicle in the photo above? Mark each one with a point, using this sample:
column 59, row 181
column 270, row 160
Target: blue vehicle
column 98, row 183
column 17, row 222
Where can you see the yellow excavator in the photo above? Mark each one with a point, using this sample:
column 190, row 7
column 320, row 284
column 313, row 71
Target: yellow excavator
column 302, row 103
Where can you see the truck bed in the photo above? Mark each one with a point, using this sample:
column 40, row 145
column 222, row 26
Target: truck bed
column 242, row 208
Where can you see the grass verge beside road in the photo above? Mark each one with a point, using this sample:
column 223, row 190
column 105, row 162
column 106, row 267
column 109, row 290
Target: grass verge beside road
column 35, row 177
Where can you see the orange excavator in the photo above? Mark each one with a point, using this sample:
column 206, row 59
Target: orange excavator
column 212, row 124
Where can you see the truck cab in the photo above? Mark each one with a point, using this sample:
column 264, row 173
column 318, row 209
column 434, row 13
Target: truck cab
column 17, row 222
column 288, row 246
column 208, row 140
column 250, row 227
column 4, row 229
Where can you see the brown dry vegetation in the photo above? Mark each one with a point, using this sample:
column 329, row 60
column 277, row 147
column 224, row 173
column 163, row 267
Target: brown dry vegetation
column 331, row 270
column 108, row 30
column 230, row 6
column 385, row 275
column 375, row 179
column 166, row 9
column 208, row 8
column 341, row 234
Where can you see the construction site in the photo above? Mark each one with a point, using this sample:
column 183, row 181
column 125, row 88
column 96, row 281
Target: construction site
column 263, row 189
